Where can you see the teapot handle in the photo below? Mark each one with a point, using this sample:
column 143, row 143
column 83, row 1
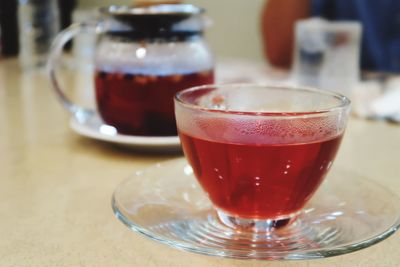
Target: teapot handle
column 53, row 61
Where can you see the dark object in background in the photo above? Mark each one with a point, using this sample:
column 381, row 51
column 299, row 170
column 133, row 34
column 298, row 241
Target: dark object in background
column 9, row 27
column 9, row 23
column 66, row 8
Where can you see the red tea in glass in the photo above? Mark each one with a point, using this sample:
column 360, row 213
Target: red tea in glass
column 260, row 152
column 139, row 104
column 250, row 180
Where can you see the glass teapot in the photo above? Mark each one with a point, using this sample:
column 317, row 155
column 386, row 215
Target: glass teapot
column 143, row 56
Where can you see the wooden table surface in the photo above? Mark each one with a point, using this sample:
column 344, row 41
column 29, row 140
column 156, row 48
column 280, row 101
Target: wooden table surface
column 56, row 186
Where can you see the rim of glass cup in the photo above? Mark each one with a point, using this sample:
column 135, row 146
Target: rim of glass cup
column 344, row 102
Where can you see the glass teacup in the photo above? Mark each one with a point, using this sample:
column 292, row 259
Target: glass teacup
column 260, row 151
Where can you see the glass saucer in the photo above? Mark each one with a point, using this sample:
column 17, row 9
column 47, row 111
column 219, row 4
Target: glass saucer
column 166, row 204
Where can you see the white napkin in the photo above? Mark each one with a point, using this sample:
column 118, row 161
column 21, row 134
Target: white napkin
column 378, row 100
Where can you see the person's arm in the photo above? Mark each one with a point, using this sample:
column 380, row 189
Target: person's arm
column 277, row 26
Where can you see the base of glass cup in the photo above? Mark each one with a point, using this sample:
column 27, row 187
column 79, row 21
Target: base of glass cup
column 255, row 225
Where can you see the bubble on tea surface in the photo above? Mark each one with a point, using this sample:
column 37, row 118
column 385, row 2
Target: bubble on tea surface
column 213, row 100
column 218, row 102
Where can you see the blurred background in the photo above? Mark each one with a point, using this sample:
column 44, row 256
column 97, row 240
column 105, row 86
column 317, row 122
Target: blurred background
column 353, row 48
column 234, row 22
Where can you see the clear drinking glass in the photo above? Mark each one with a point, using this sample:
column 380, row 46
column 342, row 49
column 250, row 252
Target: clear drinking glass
column 320, row 47
column 38, row 25
column 260, row 152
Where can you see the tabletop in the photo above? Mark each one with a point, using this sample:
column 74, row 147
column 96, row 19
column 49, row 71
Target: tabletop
column 56, row 187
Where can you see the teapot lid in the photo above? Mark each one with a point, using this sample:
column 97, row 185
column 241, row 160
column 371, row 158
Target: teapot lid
column 154, row 16
column 162, row 21
column 183, row 10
